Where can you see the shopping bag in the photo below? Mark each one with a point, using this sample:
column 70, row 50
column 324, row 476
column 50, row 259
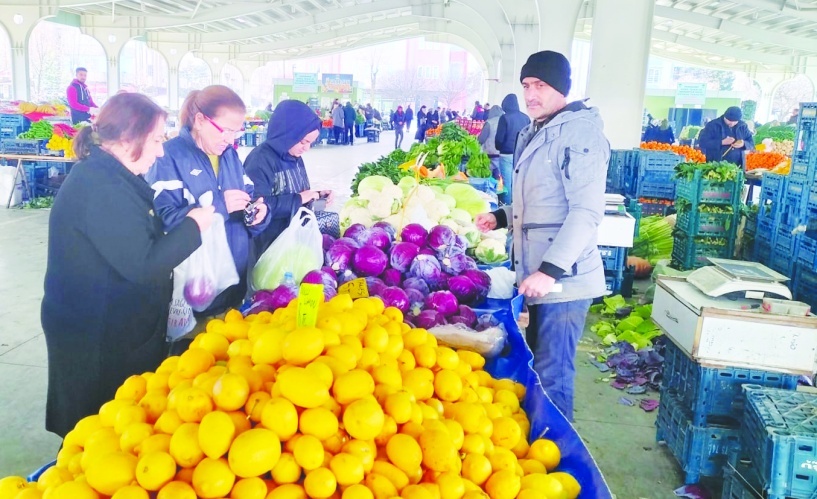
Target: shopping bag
column 298, row 250
column 210, row 269
column 181, row 320
column 328, row 223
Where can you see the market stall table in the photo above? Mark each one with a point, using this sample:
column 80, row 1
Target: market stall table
column 20, row 170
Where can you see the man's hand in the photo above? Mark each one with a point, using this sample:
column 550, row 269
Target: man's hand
column 728, row 141
column 537, row 285
column 485, row 222
column 738, row 144
column 236, row 200
column 262, row 212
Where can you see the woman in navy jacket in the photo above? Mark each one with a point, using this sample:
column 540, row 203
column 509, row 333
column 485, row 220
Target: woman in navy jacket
column 202, row 160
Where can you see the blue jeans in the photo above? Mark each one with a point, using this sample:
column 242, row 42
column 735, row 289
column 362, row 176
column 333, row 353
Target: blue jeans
column 553, row 334
column 506, row 170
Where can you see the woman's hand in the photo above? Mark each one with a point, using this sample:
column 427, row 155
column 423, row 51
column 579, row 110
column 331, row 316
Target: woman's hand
column 236, row 200
column 261, row 214
column 330, row 197
column 202, row 216
column 307, row 196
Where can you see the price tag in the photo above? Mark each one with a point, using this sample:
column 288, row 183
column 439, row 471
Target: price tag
column 310, row 296
column 355, row 288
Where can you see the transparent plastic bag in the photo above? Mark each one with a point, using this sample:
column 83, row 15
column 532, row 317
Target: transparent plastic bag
column 489, row 342
column 298, row 250
column 181, row 320
column 210, row 269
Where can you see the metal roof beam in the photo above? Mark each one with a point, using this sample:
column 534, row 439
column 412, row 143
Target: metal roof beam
column 714, row 49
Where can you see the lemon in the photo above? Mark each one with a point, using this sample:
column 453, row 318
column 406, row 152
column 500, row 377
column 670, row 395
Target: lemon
column 530, row 466
column 404, row 452
column 154, row 470
column 380, row 486
column 546, row 452
column 286, row 470
column 507, row 432
column 216, row 433
column 74, row 490
column 51, row 478
column 249, row 488
column 114, row 471
column 477, row 468
column 177, row 490
column 503, row 459
column 473, row 444
column 448, row 385
column 268, row 347
column 133, row 389
column 134, row 435
column 308, row 452
column 439, row 453
column 254, row 452
column 358, row 491
column 420, row 382
column 192, row 405
column 364, row 419
column 154, row 404
column 416, row 492
column 288, row 491
column 376, row 338
column 11, row 485
column 320, row 483
column 503, row 484
column 194, row 361
column 353, row 385
column 302, row 388
column 569, row 484
column 127, row 416
column 99, row 443
column 302, row 346
column 322, row 371
column 508, row 399
column 395, row 475
column 281, row 417
column 362, row 450
column 213, row 478
column 184, row 445
column 318, row 422
column 168, row 422
column 154, row 443
column 230, row 392
column 451, row 485
column 254, row 408
column 348, row 469
column 128, row 492
column 398, row 406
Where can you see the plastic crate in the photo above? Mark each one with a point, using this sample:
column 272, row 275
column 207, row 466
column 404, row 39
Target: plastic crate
column 740, row 482
column 699, row 190
column 650, row 174
column 762, row 252
column 687, row 254
column 803, row 169
column 714, row 395
column 750, row 226
column 487, row 185
column 700, row 450
column 806, row 284
column 21, row 146
column 765, row 230
column 653, row 208
column 12, row 125
column 613, row 283
column 807, row 253
column 779, row 438
column 614, row 258
column 811, row 201
column 772, row 184
column 696, row 223
column 619, row 159
column 634, row 209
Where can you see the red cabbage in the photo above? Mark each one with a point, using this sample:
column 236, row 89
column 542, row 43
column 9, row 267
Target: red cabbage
column 455, row 264
column 353, row 231
column 463, row 288
column 348, row 241
column 468, row 314
column 440, row 237
column 375, row 286
column 402, row 254
column 416, row 300
column 277, row 298
column 428, row 251
column 418, row 284
column 199, row 292
column 482, row 282
column 339, row 257
column 439, row 283
column 443, row 302
column 329, row 293
column 458, row 319
column 329, row 270
column 392, row 277
column 376, row 237
column 429, row 318
column 415, row 234
column 369, row 261
column 389, row 228
column 396, row 297
column 346, row 276
column 425, row 267
column 320, row 277
column 328, row 241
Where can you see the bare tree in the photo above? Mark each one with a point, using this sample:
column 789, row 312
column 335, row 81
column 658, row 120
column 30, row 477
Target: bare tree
column 405, row 85
column 451, row 88
column 44, row 64
column 374, row 67
column 790, row 94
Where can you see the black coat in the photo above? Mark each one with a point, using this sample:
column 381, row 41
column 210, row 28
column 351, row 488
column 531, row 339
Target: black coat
column 108, row 286
column 409, row 115
column 278, row 176
column 711, row 138
column 510, row 124
column 349, row 115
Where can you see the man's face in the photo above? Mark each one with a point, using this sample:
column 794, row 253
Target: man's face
column 82, row 76
column 730, row 123
column 542, row 99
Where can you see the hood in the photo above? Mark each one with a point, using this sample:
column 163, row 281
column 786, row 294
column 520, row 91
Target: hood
column 77, row 81
column 574, row 111
column 349, row 106
column 495, row 112
column 291, row 121
column 510, row 104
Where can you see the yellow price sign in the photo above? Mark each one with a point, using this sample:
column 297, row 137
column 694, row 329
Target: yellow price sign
column 310, row 296
column 356, row 288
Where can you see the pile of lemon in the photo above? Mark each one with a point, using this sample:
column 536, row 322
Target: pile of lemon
column 361, row 406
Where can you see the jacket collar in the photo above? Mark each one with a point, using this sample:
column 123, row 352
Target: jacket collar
column 111, row 164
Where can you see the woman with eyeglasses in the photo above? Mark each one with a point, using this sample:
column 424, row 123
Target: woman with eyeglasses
column 201, row 163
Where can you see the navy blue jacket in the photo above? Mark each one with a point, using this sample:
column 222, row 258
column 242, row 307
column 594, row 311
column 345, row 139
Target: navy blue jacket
column 349, row 116
column 510, row 124
column 181, row 177
column 277, row 175
column 712, row 136
column 409, row 115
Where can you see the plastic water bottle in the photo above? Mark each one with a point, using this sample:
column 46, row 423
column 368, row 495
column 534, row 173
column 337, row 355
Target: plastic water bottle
column 289, row 280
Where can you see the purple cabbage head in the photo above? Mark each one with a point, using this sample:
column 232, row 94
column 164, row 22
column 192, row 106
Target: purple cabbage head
column 482, row 281
column 468, row 313
column 441, row 237
column 346, row 276
column 458, row 319
column 389, row 228
column 375, row 286
column 375, row 236
column 339, row 257
column 427, row 319
column 416, row 300
column 321, row 277
column 425, row 267
column 199, row 292
column 279, row 297
column 348, row 241
column 425, row 250
column 329, row 293
column 392, row 277
column 415, row 234
column 457, row 263
column 439, row 283
column 328, row 241
column 443, row 302
column 329, row 270
column 396, row 297
column 353, row 231
column 369, row 261
column 418, row 284
column 464, row 289
column 402, row 254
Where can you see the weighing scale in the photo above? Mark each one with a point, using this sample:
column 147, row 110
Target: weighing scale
column 737, row 279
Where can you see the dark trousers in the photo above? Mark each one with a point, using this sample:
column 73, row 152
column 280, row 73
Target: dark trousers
column 339, row 131
column 350, row 134
column 398, row 137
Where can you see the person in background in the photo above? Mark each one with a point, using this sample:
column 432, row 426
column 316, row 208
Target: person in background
column 79, row 98
column 368, row 113
column 277, row 169
column 664, row 133
column 421, row 124
column 476, row 114
column 409, row 117
column 443, row 116
column 485, row 110
column 725, row 138
column 559, row 181
column 269, row 107
column 338, row 123
column 349, row 116
column 201, row 163
column 449, row 116
column 433, row 119
column 487, row 138
column 508, row 128
column 794, row 116
column 108, row 283
column 398, row 120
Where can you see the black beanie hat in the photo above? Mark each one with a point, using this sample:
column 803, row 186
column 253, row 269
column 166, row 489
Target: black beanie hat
column 733, row 114
column 551, row 67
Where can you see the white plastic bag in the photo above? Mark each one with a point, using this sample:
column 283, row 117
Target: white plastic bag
column 298, row 250
column 502, row 283
column 488, row 343
column 181, row 320
column 210, row 269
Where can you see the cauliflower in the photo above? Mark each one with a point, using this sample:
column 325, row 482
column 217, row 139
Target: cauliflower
column 448, row 200
column 382, row 207
column 491, row 251
column 392, row 191
column 356, row 215
column 425, row 194
column 461, row 216
column 436, row 210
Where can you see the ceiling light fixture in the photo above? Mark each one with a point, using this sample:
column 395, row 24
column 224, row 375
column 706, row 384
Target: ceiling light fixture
column 18, row 19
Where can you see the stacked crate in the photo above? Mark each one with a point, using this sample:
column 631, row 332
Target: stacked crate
column 707, row 222
column 777, row 457
column 12, row 125
column 701, row 407
column 644, row 176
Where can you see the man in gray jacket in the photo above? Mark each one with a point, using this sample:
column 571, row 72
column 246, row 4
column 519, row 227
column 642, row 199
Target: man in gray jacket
column 558, row 203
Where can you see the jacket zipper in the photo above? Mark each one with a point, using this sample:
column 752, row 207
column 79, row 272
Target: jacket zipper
column 527, row 227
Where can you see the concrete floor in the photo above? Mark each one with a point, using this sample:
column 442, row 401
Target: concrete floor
column 621, row 438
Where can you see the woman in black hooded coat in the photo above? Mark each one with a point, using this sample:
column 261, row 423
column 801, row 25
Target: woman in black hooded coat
column 277, row 169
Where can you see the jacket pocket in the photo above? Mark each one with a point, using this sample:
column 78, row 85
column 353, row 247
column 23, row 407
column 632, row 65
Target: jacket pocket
column 538, row 238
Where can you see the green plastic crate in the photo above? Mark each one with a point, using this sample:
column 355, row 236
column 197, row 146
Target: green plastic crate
column 699, row 190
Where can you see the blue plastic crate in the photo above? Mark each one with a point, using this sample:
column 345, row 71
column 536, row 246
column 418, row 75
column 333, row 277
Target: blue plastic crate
column 772, row 184
column 613, row 283
column 619, row 159
column 699, row 190
column 12, row 125
column 700, row 450
column 765, row 230
column 740, row 482
column 762, row 252
column 21, row 146
column 803, row 169
column 614, row 258
column 634, row 209
column 649, row 208
column 807, row 253
column 650, row 174
column 806, row 284
column 688, row 254
column 811, row 201
column 781, row 261
column 779, row 437
column 750, row 227
column 696, row 223
column 714, row 395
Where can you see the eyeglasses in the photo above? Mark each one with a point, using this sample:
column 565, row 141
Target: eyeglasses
column 226, row 132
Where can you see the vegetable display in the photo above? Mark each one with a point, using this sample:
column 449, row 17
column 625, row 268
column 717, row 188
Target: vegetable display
column 40, row 130
column 720, row 171
column 691, row 154
column 764, row 160
column 654, row 240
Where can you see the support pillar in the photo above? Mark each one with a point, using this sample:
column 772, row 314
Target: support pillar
column 173, row 53
column 617, row 84
column 557, row 22
column 768, row 84
column 21, row 20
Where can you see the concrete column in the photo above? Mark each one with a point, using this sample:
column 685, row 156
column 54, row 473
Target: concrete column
column 616, row 83
column 18, row 21
column 768, row 84
column 557, row 21
column 173, row 82
column 173, row 53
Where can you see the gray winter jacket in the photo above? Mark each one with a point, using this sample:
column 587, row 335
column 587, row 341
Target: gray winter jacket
column 487, row 136
column 337, row 116
column 558, row 194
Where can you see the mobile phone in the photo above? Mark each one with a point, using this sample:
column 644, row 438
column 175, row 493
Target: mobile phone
column 250, row 212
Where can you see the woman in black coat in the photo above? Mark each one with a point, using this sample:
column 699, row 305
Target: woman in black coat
column 421, row 124
column 108, row 281
column 278, row 171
